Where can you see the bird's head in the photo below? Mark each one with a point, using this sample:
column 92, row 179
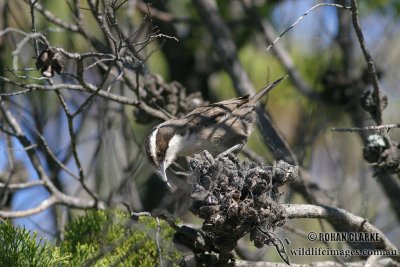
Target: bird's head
column 162, row 147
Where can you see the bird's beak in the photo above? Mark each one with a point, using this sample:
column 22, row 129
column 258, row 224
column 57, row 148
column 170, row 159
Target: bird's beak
column 162, row 173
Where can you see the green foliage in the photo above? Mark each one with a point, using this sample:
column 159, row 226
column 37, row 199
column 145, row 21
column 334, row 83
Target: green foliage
column 382, row 6
column 19, row 248
column 104, row 238
column 100, row 238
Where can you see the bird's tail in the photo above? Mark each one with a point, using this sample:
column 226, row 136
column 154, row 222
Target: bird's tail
column 265, row 90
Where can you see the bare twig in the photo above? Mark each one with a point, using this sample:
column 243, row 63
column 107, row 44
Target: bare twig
column 367, row 128
column 45, row 204
column 136, row 215
column 33, row 146
column 89, row 100
column 90, row 89
column 22, row 185
column 74, row 146
column 33, row 21
column 21, row 45
column 160, row 15
column 53, row 18
column 11, row 29
column 51, row 154
column 8, row 175
column 351, row 221
column 377, row 114
column 302, row 17
column 158, row 241
column 26, row 143
column 56, row 197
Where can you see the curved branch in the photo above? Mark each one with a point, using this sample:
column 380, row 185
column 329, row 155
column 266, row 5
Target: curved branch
column 337, row 215
column 37, row 87
column 386, row 127
column 45, row 204
column 56, row 195
column 53, row 18
column 283, row 56
column 21, row 185
column 90, row 89
column 57, row 198
column 9, row 118
column 377, row 114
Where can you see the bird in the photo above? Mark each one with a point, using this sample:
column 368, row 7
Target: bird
column 220, row 128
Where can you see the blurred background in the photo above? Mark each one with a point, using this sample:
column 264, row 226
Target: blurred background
column 322, row 49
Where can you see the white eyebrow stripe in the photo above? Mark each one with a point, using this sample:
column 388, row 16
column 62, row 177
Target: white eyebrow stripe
column 153, row 147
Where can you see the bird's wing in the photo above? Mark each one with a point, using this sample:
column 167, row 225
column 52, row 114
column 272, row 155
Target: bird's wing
column 234, row 102
column 215, row 112
column 210, row 114
column 219, row 107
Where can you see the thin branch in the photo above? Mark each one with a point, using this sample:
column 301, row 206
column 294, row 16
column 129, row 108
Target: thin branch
column 351, row 221
column 160, row 15
column 268, row 32
column 45, row 204
column 12, row 71
column 57, row 198
column 78, row 56
column 118, row 77
column 56, row 195
column 22, row 185
column 21, row 44
column 53, row 18
column 7, row 175
column 33, row 22
column 90, row 89
column 105, row 26
column 302, row 17
column 302, row 211
column 98, row 62
column 9, row 133
column 136, row 215
column 280, row 248
column 36, row 87
column 158, row 241
column 51, row 154
column 26, row 143
column 11, row 29
column 367, row 128
column 73, row 146
column 89, row 100
column 377, row 114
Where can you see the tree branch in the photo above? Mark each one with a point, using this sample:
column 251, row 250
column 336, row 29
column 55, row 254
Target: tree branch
column 377, row 114
column 386, row 127
column 45, row 204
column 337, row 215
column 56, row 195
column 22, row 185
